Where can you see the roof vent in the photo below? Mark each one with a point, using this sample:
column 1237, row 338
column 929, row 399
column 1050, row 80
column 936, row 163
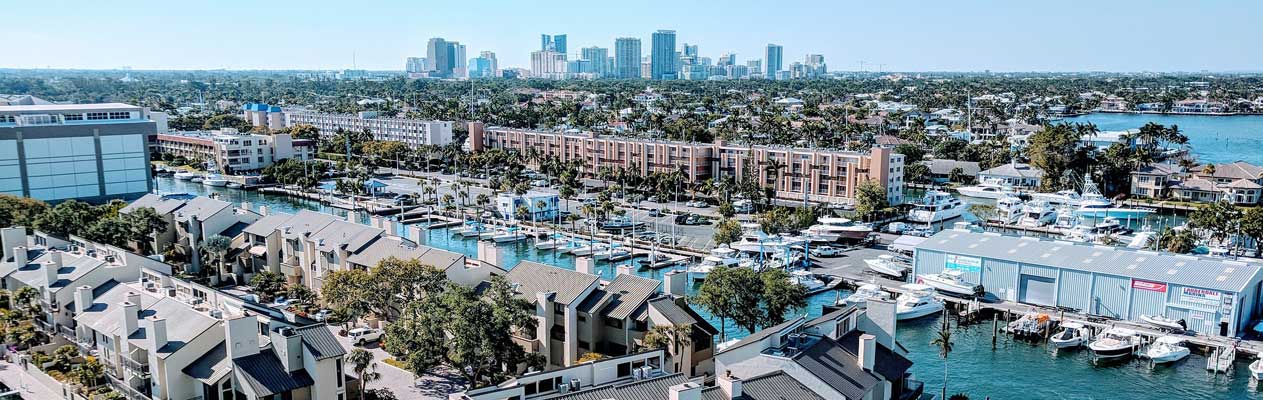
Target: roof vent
column 1172, row 271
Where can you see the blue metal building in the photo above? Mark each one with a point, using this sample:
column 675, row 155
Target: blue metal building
column 1213, row 296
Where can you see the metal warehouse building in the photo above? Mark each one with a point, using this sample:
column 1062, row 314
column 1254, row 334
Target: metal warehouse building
column 1214, row 296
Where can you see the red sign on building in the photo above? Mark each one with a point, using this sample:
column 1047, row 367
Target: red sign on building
column 1147, row 285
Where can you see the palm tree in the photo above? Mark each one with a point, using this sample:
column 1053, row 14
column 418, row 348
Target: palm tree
column 943, row 340
column 362, row 363
column 216, row 247
column 674, row 338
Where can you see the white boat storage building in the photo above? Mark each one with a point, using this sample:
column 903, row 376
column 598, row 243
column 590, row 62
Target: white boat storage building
column 1214, row 296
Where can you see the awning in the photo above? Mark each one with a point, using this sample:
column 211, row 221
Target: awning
column 259, row 251
column 906, row 243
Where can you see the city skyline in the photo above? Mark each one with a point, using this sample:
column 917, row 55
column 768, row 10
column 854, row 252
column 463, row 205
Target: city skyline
column 984, row 36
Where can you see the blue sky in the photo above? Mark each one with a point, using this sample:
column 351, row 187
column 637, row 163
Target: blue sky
column 961, row 35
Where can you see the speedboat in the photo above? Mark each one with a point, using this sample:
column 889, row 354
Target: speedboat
column 185, row 175
column 611, row 253
column 1065, row 197
column 721, row 256
column 213, row 179
column 1072, row 334
column 919, row 301
column 886, row 264
column 987, row 190
column 587, row 250
column 806, row 279
column 1115, row 343
column 1033, row 324
column 862, row 295
column 1008, row 209
column 551, row 243
column 571, row 245
column 831, row 229
column 936, row 206
column 196, row 179
column 470, row 229
column 511, row 234
column 950, row 282
column 1172, row 324
column 1167, row 349
column 1094, row 205
column 1037, row 213
column 1256, row 369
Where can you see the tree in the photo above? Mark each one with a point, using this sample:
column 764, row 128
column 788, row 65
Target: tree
column 750, row 299
column 726, row 210
column 143, row 224
column 943, row 340
column 227, row 121
column 673, row 338
column 268, row 284
column 20, row 211
column 1176, row 241
column 590, row 357
column 216, row 248
column 917, row 172
column 1252, row 227
column 1220, row 219
column 362, row 363
column 87, row 374
column 67, row 218
column 870, row 198
column 957, row 175
column 727, row 231
column 1057, row 151
column 780, row 295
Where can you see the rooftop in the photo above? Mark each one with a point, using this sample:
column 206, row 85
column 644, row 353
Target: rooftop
column 532, row 277
column 38, row 108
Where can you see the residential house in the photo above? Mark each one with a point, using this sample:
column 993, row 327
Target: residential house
column 1154, row 180
column 941, row 169
column 1237, row 182
column 507, row 205
column 1014, row 174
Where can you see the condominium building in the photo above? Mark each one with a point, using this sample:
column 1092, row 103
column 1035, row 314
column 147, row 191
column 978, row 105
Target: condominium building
column 91, row 152
column 627, row 58
column 234, row 152
column 818, row 175
column 597, row 56
column 662, row 57
column 773, row 59
column 412, row 132
column 263, row 115
column 548, row 64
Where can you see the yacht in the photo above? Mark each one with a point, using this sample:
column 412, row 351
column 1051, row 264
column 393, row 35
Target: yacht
column 950, row 282
column 862, row 295
column 1167, row 349
column 511, row 234
column 886, row 264
column 918, row 302
column 470, row 229
column 1008, row 209
column 235, row 185
column 806, row 279
column 720, row 256
column 987, row 190
column 1062, row 198
column 936, row 206
column 214, row 179
column 1115, row 343
column 761, row 243
column 196, row 179
column 186, row 175
column 588, row 249
column 831, row 229
column 1037, row 213
column 1094, row 205
column 1072, row 334
column 611, row 253
column 572, row 245
column 552, row 242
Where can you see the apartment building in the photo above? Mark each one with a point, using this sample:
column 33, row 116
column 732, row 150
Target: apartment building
column 193, row 219
column 257, row 114
column 817, row 175
column 90, row 152
column 578, row 313
column 412, row 132
column 235, row 152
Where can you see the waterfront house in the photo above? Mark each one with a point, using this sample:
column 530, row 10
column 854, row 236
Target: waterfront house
column 941, row 169
column 1154, row 180
column 1214, row 296
column 1238, row 182
column 578, row 313
column 1198, row 107
column 1014, row 174
column 507, row 205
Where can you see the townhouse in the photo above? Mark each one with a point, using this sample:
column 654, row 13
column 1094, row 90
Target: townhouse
column 578, row 313
column 819, row 175
column 193, row 219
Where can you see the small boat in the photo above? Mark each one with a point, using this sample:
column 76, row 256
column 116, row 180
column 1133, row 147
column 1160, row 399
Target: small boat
column 1256, row 369
column 936, row 206
column 1222, row 359
column 508, row 235
column 987, row 190
column 806, row 279
column 611, row 253
column 1031, row 325
column 1072, row 334
column 1167, row 349
column 186, row 176
column 587, row 250
column 951, row 282
column 885, row 264
column 572, row 245
column 1036, row 214
column 213, row 179
column 862, row 294
column 196, row 180
column 1115, row 343
column 1008, row 209
column 235, row 185
column 1177, row 325
column 470, row 229
column 551, row 243
column 918, row 302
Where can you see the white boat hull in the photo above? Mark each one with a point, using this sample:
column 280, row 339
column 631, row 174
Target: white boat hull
column 508, row 238
column 981, row 194
column 947, row 287
column 928, row 309
column 1167, row 356
column 1256, row 370
column 885, row 268
column 214, row 182
column 928, row 217
column 1120, row 213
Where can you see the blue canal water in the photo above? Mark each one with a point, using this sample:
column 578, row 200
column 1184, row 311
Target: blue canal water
column 1015, row 369
column 1216, row 139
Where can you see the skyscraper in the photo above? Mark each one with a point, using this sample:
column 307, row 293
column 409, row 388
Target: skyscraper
column 773, row 60
column 690, row 51
column 816, row 66
column 548, row 64
column 483, row 66
column 440, row 56
column 597, row 56
column 459, row 67
column 559, row 43
column 545, row 41
column 662, row 56
column 555, row 43
column 415, row 65
column 627, row 58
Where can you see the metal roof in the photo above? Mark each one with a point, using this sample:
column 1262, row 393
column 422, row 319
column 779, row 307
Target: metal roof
column 620, row 297
column 532, row 277
column 320, row 341
column 775, row 385
column 267, row 376
column 1187, row 270
column 764, row 334
column 838, row 368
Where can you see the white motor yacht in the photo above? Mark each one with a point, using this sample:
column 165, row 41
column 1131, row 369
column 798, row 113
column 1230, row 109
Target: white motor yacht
column 1167, row 349
column 862, row 295
column 1037, row 213
column 588, row 249
column 886, row 264
column 919, row 301
column 610, row 253
column 1008, row 209
column 572, row 245
column 213, row 179
column 511, row 234
column 950, row 282
column 1256, row 369
column 1095, row 205
column 470, row 229
column 185, row 175
column 718, row 256
column 831, row 229
column 552, row 242
column 1065, row 197
column 1115, row 343
column 1072, row 334
column 987, row 190
column 936, row 206
column 1171, row 324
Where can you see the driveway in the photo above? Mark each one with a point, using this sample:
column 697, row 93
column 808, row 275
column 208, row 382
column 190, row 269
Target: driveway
column 402, row 383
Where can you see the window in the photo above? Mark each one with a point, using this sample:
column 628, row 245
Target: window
column 584, row 345
column 120, row 115
column 548, row 385
column 338, row 370
column 72, row 117
column 559, row 308
column 613, row 322
column 97, row 116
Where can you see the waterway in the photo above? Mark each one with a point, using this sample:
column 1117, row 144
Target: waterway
column 1217, row 139
column 1015, row 369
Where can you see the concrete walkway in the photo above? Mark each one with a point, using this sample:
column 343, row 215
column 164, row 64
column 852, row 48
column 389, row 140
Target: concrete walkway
column 402, row 383
column 26, row 385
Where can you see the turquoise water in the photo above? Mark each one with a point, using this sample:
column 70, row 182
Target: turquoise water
column 1213, row 138
column 1015, row 370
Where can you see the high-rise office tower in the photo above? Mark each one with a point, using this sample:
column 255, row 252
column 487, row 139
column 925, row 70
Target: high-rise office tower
column 754, row 67
column 440, row 57
column 690, row 51
column 597, row 55
column 627, row 58
column 773, row 60
column 726, row 59
column 494, row 65
column 545, row 42
column 559, row 43
column 555, row 43
column 459, row 67
column 662, row 56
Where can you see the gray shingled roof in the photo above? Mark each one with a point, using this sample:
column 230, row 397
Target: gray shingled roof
column 887, row 363
column 320, row 341
column 940, row 166
column 338, row 233
column 393, row 246
column 183, row 324
column 267, row 376
column 306, row 221
column 620, row 297
column 268, row 224
column 201, row 207
column 73, row 267
column 838, row 368
column 772, row 386
column 533, row 277
column 775, row 385
column 163, row 205
column 103, row 315
column 1015, row 170
column 1208, row 273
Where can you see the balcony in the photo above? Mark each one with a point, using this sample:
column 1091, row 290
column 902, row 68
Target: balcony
column 135, row 367
column 128, row 392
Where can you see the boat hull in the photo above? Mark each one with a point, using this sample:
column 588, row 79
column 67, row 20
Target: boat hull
column 884, row 268
column 928, row 217
column 1168, row 357
column 1120, row 213
column 947, row 288
column 1113, row 352
column 918, row 312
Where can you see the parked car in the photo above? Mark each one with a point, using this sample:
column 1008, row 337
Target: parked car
column 697, row 204
column 666, row 239
column 360, row 336
column 540, row 183
column 321, row 315
column 825, row 251
column 653, row 199
column 655, row 213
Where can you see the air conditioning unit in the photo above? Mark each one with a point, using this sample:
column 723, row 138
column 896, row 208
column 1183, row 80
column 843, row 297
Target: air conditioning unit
column 216, row 313
column 574, row 383
column 563, row 388
column 646, row 371
column 638, row 374
column 171, row 292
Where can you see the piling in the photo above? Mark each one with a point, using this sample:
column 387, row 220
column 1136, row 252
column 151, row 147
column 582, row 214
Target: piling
column 995, row 328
